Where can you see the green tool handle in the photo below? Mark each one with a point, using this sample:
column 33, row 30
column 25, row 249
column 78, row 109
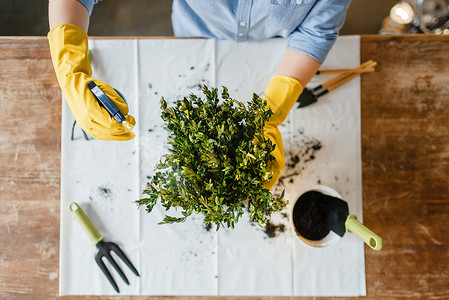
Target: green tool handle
column 85, row 223
column 369, row 237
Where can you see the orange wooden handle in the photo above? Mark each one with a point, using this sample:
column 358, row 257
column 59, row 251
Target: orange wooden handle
column 367, row 66
column 334, row 71
column 343, row 81
column 350, row 76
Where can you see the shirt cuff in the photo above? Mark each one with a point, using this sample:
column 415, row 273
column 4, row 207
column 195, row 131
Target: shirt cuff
column 89, row 4
column 315, row 47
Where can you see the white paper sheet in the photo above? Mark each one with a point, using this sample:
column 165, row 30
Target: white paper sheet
column 188, row 259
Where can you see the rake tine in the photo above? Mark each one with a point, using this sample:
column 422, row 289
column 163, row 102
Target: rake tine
column 73, row 131
column 125, row 259
column 105, row 270
column 117, row 268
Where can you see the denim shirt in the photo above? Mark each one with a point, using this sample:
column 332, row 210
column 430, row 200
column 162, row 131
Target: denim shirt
column 311, row 26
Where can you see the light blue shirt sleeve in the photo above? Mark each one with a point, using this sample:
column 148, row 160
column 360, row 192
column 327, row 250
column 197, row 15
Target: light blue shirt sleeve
column 89, row 4
column 316, row 35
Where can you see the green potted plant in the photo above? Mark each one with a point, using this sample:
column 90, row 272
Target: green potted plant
column 217, row 161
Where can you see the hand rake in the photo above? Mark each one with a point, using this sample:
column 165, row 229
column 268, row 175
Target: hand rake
column 104, row 248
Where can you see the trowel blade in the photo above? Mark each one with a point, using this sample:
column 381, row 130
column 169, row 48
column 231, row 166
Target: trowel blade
column 337, row 213
column 307, row 97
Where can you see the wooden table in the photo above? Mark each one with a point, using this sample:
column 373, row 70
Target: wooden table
column 405, row 153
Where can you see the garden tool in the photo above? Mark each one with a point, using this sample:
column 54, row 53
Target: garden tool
column 104, row 248
column 339, row 221
column 309, row 96
column 334, row 71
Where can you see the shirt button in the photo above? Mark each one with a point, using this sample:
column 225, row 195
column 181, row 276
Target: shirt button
column 299, row 2
column 242, row 23
column 241, row 34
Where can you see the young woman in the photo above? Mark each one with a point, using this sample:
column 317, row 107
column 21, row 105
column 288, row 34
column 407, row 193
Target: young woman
column 310, row 26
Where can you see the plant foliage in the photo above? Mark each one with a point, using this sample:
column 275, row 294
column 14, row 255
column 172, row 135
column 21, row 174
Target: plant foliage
column 217, row 161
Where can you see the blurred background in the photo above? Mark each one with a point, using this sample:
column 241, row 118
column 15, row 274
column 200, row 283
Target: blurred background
column 152, row 17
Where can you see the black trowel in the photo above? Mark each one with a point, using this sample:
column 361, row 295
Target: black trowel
column 339, row 221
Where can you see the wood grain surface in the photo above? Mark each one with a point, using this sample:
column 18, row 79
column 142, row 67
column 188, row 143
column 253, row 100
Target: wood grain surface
column 405, row 157
column 405, row 153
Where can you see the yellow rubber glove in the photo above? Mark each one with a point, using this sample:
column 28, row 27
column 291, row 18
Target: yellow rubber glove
column 281, row 94
column 69, row 53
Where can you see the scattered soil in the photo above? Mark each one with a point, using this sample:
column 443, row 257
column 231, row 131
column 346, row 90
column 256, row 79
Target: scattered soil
column 195, row 78
column 310, row 216
column 293, row 161
column 271, row 229
column 208, row 226
column 298, row 156
column 104, row 192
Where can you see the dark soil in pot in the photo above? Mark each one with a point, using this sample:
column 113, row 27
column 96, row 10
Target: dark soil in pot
column 310, row 216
